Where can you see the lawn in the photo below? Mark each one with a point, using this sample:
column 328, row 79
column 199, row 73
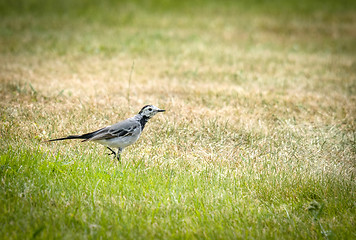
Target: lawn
column 258, row 140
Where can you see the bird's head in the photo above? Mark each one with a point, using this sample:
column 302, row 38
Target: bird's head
column 149, row 111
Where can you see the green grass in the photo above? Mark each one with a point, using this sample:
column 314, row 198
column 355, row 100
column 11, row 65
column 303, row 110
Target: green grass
column 55, row 196
column 258, row 140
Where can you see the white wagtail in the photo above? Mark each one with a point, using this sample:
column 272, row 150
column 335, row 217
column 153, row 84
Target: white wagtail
column 121, row 134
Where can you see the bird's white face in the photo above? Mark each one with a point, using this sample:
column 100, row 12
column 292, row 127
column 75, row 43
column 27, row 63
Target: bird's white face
column 150, row 110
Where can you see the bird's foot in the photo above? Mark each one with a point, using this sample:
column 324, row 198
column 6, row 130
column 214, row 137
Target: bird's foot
column 112, row 152
column 118, row 155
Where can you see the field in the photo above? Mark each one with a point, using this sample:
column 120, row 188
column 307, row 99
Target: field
column 258, row 140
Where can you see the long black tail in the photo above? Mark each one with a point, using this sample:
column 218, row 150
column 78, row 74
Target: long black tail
column 65, row 138
column 83, row 136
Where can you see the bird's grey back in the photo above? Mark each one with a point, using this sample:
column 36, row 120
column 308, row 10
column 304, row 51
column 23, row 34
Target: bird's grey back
column 126, row 127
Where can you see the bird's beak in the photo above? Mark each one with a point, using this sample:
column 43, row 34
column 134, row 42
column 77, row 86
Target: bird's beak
column 161, row 110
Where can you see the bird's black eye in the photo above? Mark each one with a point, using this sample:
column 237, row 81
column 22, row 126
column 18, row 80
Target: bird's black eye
column 150, row 109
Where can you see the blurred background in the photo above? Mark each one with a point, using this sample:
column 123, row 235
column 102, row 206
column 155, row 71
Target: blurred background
column 259, row 60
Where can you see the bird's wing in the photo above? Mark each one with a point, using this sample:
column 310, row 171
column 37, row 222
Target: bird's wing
column 120, row 129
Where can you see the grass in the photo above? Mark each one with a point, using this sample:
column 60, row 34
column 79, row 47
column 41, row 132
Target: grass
column 258, row 140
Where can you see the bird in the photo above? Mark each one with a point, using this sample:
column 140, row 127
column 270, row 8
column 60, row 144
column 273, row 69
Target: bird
column 119, row 135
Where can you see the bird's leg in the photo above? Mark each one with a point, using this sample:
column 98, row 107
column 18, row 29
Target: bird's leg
column 118, row 155
column 112, row 152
